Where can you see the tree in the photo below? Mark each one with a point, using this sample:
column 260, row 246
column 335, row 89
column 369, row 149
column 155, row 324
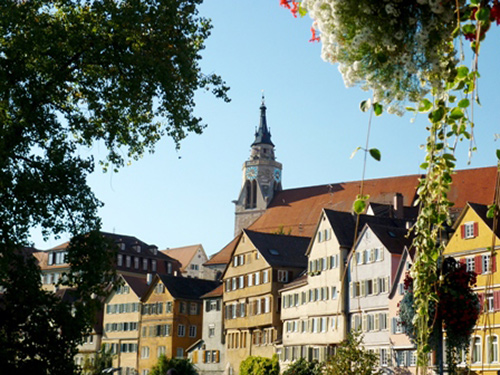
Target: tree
column 182, row 366
column 75, row 74
column 101, row 361
column 255, row 365
column 352, row 359
column 303, row 367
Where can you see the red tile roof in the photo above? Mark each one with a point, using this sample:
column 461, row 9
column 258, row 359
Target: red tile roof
column 217, row 292
column 183, row 254
column 224, row 256
column 298, row 210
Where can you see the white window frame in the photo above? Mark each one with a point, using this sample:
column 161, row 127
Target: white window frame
column 181, row 330
column 469, row 230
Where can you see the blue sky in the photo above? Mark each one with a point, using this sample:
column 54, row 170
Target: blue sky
column 173, row 199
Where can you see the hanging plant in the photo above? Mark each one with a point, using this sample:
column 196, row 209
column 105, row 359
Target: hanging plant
column 457, row 307
column 408, row 53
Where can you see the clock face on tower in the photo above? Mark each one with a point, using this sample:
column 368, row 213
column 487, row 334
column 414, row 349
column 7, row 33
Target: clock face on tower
column 251, row 173
column 277, row 175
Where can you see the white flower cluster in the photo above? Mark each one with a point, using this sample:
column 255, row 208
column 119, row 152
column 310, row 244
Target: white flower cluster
column 400, row 49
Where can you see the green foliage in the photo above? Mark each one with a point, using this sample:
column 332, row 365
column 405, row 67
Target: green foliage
column 182, row 366
column 303, row 367
column 254, row 365
column 100, row 361
column 352, row 359
column 77, row 74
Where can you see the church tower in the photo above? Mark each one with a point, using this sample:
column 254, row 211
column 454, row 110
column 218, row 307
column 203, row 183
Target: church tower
column 261, row 177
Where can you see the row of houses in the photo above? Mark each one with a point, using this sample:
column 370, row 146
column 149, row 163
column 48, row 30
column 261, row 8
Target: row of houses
column 299, row 274
column 298, row 297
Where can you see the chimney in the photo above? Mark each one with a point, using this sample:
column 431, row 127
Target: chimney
column 398, row 206
column 149, row 278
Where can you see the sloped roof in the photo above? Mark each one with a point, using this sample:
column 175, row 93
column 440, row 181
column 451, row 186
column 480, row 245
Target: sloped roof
column 217, row 292
column 401, row 269
column 130, row 242
column 224, row 256
column 138, row 285
column 394, row 239
column 481, row 210
column 280, row 250
column 183, row 254
column 299, row 281
column 187, row 287
column 299, row 209
column 387, row 210
column 344, row 224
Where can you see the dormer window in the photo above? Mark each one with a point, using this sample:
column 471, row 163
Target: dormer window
column 137, row 248
column 121, row 245
column 469, row 230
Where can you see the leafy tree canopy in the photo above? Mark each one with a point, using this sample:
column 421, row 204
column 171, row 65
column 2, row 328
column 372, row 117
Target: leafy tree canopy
column 181, row 366
column 75, row 74
column 255, row 365
column 352, row 359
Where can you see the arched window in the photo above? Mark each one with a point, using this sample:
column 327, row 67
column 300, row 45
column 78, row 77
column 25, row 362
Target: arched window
column 251, row 194
column 492, row 348
column 254, row 194
column 476, row 350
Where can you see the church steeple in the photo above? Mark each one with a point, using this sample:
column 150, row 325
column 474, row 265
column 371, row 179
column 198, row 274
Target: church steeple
column 263, row 135
column 261, row 177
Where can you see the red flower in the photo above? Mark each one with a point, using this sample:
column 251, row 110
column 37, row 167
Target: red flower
column 284, row 4
column 295, row 8
column 495, row 12
column 314, row 38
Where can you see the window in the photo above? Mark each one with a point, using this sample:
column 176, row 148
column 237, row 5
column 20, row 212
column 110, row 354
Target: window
column 169, row 267
column 282, row 276
column 181, row 330
column 334, row 292
column 257, row 278
column 145, row 352
column 486, row 261
column 180, row 352
column 128, row 261
column 194, row 267
column 469, row 230
column 320, row 236
column 168, row 307
column 120, row 260
column 476, row 350
column 153, row 265
column 413, row 358
column 492, row 349
column 136, row 263
column 384, row 357
column 192, row 331
column 265, row 276
column 489, row 305
column 193, row 308
column 211, row 330
column 267, row 304
column 470, row 264
column 145, row 264
column 160, row 351
column 182, row 307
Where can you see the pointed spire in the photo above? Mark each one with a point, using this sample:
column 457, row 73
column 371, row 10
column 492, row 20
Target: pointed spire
column 263, row 135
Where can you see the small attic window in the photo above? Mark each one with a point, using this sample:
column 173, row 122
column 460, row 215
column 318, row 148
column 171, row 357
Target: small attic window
column 391, row 234
column 137, row 248
column 121, row 245
column 274, row 252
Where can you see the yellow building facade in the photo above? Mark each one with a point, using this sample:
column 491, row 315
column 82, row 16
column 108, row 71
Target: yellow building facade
column 471, row 244
column 260, row 265
column 172, row 318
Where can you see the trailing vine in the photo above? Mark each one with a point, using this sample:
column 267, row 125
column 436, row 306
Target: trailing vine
column 405, row 52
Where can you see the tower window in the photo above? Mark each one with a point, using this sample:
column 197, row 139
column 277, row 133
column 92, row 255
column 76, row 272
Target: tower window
column 251, row 194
